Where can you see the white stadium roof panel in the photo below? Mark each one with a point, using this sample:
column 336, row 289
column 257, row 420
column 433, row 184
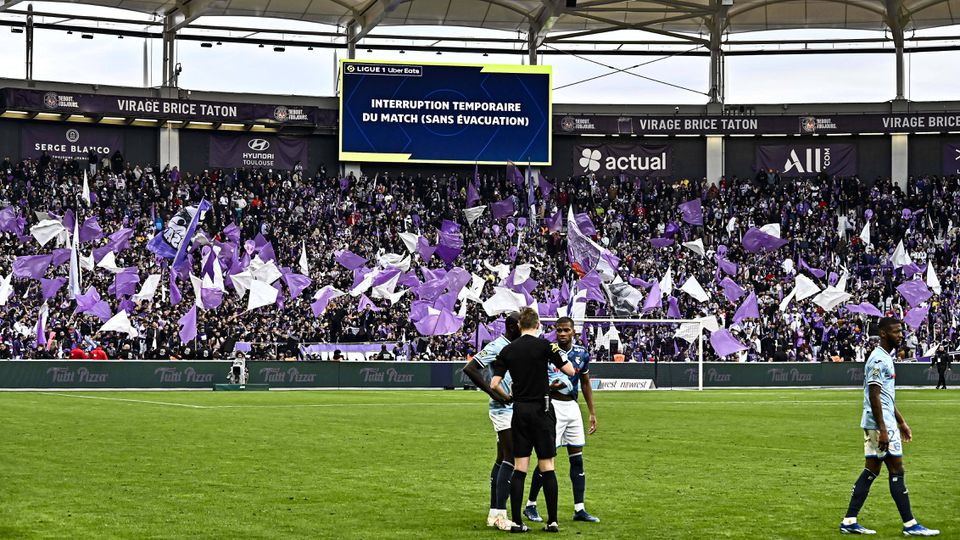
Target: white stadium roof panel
column 685, row 16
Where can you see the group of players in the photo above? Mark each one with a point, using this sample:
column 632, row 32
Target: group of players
column 533, row 386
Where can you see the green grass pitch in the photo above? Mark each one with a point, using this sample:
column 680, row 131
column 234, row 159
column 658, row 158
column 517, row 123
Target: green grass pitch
column 415, row 464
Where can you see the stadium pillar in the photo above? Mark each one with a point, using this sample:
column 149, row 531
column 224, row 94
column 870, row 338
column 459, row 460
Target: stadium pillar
column 29, row 44
column 898, row 159
column 532, row 45
column 169, row 52
column 169, row 151
column 716, row 58
column 351, row 42
column 715, row 147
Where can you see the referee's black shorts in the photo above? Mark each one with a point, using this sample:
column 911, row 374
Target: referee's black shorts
column 534, row 428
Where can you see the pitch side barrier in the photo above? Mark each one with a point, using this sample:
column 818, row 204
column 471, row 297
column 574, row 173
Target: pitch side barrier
column 53, row 374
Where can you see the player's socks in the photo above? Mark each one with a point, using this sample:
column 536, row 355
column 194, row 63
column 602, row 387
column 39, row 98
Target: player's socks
column 901, row 496
column 550, row 493
column 516, row 496
column 536, row 482
column 493, row 486
column 860, row 491
column 577, row 479
column 503, row 484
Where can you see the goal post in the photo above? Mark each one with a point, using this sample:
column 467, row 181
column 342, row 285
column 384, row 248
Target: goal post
column 596, row 333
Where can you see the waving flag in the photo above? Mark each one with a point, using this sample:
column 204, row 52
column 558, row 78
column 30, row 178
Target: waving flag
column 172, row 242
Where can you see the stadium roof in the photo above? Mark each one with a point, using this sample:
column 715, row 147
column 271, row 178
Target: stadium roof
column 550, row 17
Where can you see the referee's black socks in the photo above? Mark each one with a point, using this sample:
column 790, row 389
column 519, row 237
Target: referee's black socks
column 550, row 493
column 516, row 495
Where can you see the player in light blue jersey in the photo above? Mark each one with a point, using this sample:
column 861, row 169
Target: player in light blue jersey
column 563, row 395
column 480, row 371
column 883, row 429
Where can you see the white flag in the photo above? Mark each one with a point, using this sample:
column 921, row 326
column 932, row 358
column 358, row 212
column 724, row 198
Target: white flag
column 473, row 213
column 865, row 233
column 696, row 246
column 773, row 229
column 241, row 282
column 386, row 290
column 666, row 284
column 304, row 267
column 46, row 230
column 830, row 298
column 410, row 241
column 74, row 275
column 786, row 300
column 900, row 257
column 804, row 287
column 261, row 294
column 503, row 300
column 197, row 289
column 5, row 289
column 842, row 227
column 149, row 288
column 693, row 288
column 109, row 263
column 521, row 274
column 120, row 323
column 932, row 280
column 86, row 189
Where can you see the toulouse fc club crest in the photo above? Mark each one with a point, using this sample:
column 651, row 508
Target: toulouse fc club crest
column 50, row 100
column 808, row 124
column 568, row 123
column 281, row 113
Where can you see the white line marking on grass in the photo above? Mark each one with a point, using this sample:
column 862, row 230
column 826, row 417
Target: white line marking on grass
column 779, row 402
column 304, row 405
column 168, row 403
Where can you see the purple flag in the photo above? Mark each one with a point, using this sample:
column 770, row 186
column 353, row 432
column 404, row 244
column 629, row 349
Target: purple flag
column 864, row 307
column 916, row 317
column 670, row 230
column 267, row 254
column 424, row 249
column 349, row 260
column 296, row 283
column 172, row 241
column 653, row 300
column 41, row 322
column 60, row 256
column 87, row 300
column 513, row 173
column 692, row 212
column 545, row 187
column 472, row 196
column 188, row 325
column 748, row 309
column 731, row 290
column 661, row 243
column 756, row 241
column 211, row 298
column 911, row 270
column 817, row 273
column 502, row 209
column 554, row 222
column 366, row 303
column 724, row 344
column 727, row 267
column 585, row 224
column 49, row 287
column 915, row 292
column 439, row 324
column 125, row 283
column 9, row 222
column 673, row 308
column 322, row 301
column 232, row 232
column 31, row 266
column 90, row 230
column 174, row 290
column 120, row 240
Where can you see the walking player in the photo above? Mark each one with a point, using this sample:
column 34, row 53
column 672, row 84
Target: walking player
column 534, row 419
column 883, row 426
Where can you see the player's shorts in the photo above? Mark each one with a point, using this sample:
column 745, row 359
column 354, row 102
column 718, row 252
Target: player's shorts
column 871, row 446
column 534, row 428
column 569, row 423
column 501, row 419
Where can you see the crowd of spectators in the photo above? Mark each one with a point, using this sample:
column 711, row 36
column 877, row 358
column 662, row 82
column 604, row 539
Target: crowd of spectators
column 366, row 215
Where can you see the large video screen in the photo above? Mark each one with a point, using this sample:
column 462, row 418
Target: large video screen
column 444, row 113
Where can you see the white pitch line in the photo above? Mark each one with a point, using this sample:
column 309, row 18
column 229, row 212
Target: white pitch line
column 168, row 403
column 303, row 405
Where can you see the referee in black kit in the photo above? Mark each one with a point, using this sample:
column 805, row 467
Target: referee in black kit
column 534, row 422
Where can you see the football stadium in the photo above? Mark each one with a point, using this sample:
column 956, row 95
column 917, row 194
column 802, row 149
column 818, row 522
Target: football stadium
column 463, row 268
